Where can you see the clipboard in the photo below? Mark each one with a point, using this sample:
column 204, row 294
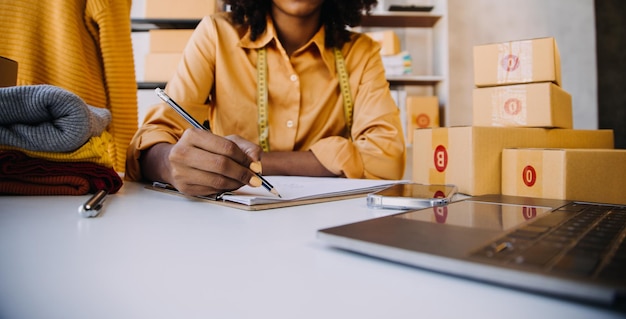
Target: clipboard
column 289, row 203
column 219, row 199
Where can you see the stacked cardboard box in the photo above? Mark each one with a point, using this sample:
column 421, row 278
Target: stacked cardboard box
column 471, row 157
column 166, row 50
column 179, row 9
column 421, row 112
column 166, row 45
column 388, row 40
column 518, row 84
column 595, row 175
column 396, row 62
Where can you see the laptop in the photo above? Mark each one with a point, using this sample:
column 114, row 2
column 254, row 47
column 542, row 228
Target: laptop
column 567, row 249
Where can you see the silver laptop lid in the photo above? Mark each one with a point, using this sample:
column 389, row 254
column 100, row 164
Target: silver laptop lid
column 462, row 238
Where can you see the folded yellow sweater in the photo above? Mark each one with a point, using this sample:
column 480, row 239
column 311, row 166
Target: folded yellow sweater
column 83, row 46
column 94, row 151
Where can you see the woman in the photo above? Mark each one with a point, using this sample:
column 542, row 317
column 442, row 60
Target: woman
column 284, row 87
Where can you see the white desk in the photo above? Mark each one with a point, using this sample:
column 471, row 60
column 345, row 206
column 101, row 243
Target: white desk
column 155, row 255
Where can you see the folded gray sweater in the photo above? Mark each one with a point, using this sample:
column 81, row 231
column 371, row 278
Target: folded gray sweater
column 48, row 118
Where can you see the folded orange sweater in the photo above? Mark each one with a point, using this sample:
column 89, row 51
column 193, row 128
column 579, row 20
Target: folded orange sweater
column 24, row 175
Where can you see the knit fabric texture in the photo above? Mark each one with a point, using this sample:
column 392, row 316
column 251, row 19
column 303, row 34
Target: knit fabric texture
column 83, row 46
column 96, row 151
column 48, row 118
column 23, row 175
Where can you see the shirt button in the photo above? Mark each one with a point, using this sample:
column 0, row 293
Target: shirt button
column 289, row 124
column 293, row 78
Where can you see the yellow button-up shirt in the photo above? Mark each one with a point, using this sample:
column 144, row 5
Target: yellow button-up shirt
column 217, row 80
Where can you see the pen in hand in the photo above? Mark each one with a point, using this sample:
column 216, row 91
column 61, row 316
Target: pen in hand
column 196, row 124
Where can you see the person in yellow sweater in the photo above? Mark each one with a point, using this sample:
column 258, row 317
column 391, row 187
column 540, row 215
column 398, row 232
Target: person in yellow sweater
column 83, row 46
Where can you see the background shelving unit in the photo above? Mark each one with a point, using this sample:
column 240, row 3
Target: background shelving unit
column 386, row 19
column 429, row 49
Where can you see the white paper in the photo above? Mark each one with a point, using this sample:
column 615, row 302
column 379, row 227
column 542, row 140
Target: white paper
column 302, row 188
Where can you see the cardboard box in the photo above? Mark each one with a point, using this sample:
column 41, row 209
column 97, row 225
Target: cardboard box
column 421, row 112
column 179, row 9
column 523, row 105
column 580, row 174
column 160, row 67
column 169, row 40
column 388, row 40
column 515, row 62
column 470, row 156
column 8, row 72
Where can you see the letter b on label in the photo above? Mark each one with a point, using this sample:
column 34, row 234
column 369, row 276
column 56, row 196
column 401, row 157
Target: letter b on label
column 441, row 158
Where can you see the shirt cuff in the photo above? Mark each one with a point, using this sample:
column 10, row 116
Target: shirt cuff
column 143, row 141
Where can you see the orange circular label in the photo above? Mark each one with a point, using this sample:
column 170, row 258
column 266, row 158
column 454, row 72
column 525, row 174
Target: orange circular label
column 422, row 120
column 529, row 212
column 512, row 106
column 529, row 176
column 510, row 62
column 441, row 214
column 440, row 158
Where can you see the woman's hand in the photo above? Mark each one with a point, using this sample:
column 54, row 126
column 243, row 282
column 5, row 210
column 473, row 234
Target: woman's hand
column 202, row 163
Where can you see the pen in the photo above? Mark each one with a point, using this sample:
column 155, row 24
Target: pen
column 92, row 207
column 196, row 124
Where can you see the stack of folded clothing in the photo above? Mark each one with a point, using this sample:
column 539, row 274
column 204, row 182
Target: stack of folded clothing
column 52, row 143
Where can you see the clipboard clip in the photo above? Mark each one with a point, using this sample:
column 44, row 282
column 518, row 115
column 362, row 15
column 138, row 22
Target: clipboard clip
column 169, row 187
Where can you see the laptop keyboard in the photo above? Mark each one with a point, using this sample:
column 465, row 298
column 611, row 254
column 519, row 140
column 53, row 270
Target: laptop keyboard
column 578, row 239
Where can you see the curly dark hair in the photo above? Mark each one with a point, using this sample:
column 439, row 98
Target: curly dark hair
column 336, row 16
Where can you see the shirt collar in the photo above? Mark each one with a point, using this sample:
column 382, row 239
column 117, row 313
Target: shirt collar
column 270, row 35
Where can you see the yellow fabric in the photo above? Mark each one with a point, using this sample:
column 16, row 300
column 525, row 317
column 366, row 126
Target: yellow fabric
column 216, row 80
column 83, row 46
column 95, row 150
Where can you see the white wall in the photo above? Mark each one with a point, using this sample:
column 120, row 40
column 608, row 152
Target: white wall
column 570, row 22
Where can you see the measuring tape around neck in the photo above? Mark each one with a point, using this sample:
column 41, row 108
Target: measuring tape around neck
column 262, row 95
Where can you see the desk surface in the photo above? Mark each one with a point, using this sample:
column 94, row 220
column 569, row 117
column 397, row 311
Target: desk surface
column 155, row 255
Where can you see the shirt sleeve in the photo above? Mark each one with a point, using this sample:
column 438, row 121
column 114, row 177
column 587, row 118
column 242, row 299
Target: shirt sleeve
column 190, row 87
column 113, row 35
column 377, row 149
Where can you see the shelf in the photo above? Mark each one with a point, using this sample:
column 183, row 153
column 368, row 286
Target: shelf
column 389, row 19
column 396, row 80
column 400, row 20
column 423, row 80
column 385, row 19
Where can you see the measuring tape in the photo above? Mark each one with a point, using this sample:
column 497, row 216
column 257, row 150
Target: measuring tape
column 262, row 99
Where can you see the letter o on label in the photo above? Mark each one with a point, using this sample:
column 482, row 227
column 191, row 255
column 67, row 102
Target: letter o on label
column 441, row 158
column 529, row 212
column 529, row 176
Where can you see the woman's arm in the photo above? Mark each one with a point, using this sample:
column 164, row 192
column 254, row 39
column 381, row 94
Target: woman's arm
column 202, row 163
column 293, row 163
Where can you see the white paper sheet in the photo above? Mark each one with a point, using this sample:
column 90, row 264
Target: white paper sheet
column 301, row 188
